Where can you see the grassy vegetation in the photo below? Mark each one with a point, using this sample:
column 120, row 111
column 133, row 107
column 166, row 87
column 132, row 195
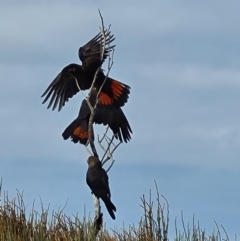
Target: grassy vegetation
column 153, row 225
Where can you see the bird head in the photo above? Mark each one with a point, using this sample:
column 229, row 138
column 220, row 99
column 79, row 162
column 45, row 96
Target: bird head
column 71, row 68
column 92, row 161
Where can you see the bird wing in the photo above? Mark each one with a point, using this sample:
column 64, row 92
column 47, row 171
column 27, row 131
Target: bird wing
column 115, row 119
column 114, row 94
column 117, row 122
column 105, row 182
column 97, row 180
column 66, row 85
column 93, row 48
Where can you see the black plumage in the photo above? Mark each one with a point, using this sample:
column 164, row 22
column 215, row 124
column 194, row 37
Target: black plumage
column 97, row 180
column 115, row 119
column 74, row 77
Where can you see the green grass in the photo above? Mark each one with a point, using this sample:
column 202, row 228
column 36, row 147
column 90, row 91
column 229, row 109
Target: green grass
column 153, row 225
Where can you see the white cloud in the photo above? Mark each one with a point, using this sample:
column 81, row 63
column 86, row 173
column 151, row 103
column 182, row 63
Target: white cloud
column 181, row 60
column 193, row 76
column 224, row 133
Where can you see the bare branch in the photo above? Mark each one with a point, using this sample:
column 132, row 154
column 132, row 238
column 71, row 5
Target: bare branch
column 110, row 165
column 98, row 215
column 103, row 135
column 79, row 88
column 107, row 151
column 90, row 153
column 93, row 109
column 103, row 32
column 106, row 138
column 97, row 206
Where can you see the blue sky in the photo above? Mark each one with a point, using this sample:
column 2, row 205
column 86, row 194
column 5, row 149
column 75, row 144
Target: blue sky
column 181, row 60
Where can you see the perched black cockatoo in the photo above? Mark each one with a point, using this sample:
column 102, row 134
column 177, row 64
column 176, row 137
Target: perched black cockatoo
column 97, row 180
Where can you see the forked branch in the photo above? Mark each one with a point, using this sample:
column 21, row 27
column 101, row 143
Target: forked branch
column 108, row 152
column 98, row 215
column 105, row 33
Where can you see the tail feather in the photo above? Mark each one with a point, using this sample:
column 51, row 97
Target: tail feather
column 110, row 207
column 77, row 131
column 70, row 129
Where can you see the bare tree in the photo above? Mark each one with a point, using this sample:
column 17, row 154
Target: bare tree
column 110, row 145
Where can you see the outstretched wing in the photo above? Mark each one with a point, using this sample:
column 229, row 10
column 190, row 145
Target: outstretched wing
column 117, row 122
column 114, row 94
column 115, row 119
column 66, row 85
column 75, row 77
column 90, row 53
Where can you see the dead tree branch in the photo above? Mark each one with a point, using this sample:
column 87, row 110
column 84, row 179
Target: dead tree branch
column 93, row 109
column 98, row 220
column 108, row 150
